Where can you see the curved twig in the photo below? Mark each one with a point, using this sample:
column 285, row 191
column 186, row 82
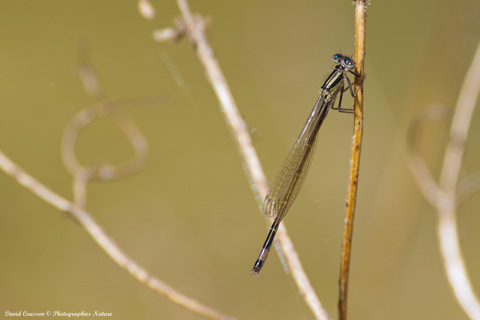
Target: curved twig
column 103, row 172
column 446, row 206
column 444, row 196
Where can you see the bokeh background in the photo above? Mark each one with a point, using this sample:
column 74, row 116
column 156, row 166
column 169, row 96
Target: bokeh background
column 189, row 216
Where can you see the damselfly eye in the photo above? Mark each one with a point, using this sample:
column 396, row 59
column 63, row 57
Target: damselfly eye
column 337, row 57
column 349, row 63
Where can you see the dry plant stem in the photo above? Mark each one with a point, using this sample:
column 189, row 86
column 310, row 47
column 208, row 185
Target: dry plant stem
column 444, row 196
column 195, row 31
column 104, row 241
column 103, row 172
column 360, row 17
column 446, row 204
column 82, row 174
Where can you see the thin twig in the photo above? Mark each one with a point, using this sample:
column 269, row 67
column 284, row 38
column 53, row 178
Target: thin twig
column 194, row 26
column 104, row 172
column 360, row 19
column 417, row 164
column 104, row 241
column 445, row 195
column 446, row 205
column 82, row 175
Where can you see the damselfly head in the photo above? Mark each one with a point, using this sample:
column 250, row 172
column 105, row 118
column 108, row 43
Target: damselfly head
column 346, row 62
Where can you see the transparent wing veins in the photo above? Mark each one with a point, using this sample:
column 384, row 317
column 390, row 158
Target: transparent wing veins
column 290, row 178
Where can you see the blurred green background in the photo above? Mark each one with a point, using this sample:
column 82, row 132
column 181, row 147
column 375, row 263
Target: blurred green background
column 189, row 216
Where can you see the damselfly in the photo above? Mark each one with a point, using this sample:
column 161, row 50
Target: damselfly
column 289, row 179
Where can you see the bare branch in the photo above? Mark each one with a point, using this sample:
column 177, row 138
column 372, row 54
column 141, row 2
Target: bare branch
column 103, row 172
column 444, row 195
column 446, row 205
column 104, row 241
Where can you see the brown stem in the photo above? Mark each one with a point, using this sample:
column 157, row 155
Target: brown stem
column 360, row 18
